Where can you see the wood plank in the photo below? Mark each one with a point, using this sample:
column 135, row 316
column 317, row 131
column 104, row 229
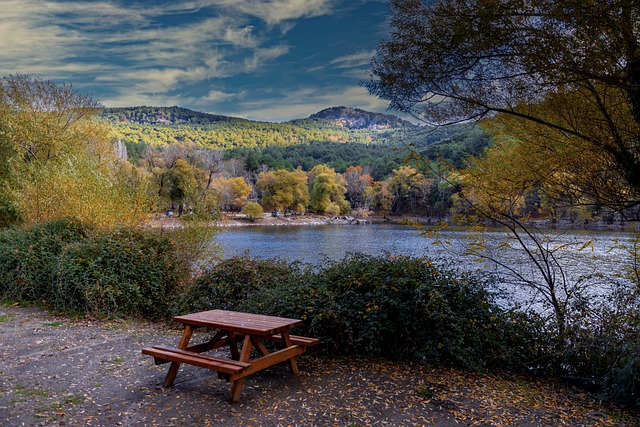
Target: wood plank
column 270, row 360
column 227, row 366
column 293, row 364
column 207, row 346
column 296, row 339
column 259, row 346
column 240, row 322
column 236, row 387
column 214, row 342
column 187, row 332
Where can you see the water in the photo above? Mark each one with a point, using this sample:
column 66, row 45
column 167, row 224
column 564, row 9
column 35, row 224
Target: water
column 595, row 267
column 315, row 243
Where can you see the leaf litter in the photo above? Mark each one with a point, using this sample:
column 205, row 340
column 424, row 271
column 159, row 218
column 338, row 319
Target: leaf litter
column 91, row 373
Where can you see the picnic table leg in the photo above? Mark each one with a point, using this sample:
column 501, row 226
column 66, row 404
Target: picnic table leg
column 233, row 345
column 293, row 363
column 247, row 346
column 173, row 369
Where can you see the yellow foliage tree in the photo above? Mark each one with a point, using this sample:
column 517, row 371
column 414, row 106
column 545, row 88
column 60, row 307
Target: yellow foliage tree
column 61, row 161
column 284, row 189
column 328, row 190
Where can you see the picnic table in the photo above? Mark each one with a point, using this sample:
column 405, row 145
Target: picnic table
column 232, row 328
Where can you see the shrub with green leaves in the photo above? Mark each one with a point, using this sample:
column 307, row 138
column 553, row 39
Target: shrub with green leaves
column 68, row 267
column 399, row 306
column 375, row 306
column 29, row 257
column 242, row 284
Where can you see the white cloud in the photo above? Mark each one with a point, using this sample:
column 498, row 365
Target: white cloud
column 275, row 12
column 359, row 59
column 260, row 56
column 305, row 101
column 125, row 45
column 142, row 59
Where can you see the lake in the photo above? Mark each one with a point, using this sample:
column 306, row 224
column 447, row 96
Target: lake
column 601, row 263
column 315, row 243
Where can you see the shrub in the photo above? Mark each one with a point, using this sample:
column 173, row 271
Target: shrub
column 603, row 349
column 407, row 307
column 124, row 273
column 375, row 306
column 236, row 283
column 29, row 257
column 69, row 267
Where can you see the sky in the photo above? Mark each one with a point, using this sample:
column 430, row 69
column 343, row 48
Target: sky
column 272, row 60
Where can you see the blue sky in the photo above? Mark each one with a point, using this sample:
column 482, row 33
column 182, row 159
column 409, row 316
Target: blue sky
column 271, row 60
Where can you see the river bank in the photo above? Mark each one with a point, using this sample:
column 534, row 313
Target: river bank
column 240, row 220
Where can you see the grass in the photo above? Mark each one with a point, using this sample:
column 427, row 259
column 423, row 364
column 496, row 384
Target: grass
column 53, row 324
column 6, row 318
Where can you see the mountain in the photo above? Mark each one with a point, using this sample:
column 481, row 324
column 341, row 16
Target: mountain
column 338, row 137
column 342, row 117
column 355, row 118
column 164, row 116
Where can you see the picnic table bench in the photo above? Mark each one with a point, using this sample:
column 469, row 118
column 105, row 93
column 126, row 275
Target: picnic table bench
column 233, row 327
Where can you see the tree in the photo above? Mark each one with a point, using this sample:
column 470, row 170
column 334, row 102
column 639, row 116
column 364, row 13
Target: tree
column 59, row 160
column 233, row 192
column 570, row 67
column 328, row 190
column 409, row 189
column 253, row 211
column 357, row 180
column 282, row 189
column 183, row 189
column 211, row 162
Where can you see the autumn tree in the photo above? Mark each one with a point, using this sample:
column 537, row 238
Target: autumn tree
column 284, row 189
column 328, row 190
column 569, row 67
column 357, row 180
column 182, row 188
column 59, row 160
column 232, row 192
column 210, row 161
column 253, row 211
column 409, row 189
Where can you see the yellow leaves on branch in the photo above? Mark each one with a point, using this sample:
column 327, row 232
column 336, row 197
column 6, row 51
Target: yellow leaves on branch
column 63, row 162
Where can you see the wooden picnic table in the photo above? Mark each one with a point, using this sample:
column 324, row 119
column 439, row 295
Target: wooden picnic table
column 233, row 327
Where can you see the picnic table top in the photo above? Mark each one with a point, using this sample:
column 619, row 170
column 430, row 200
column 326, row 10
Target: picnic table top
column 244, row 323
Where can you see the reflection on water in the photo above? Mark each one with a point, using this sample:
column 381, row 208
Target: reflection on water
column 314, row 244
column 604, row 260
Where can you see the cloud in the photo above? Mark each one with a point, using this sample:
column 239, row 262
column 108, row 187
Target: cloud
column 302, row 102
column 358, row 59
column 167, row 52
column 260, row 56
column 132, row 42
column 275, row 12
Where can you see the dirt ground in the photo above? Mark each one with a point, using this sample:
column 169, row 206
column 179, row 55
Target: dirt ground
column 56, row 371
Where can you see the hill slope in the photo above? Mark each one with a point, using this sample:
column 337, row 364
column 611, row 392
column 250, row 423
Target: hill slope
column 339, row 137
column 355, row 118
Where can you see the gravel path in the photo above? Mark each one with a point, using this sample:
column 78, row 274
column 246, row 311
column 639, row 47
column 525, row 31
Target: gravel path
column 56, row 371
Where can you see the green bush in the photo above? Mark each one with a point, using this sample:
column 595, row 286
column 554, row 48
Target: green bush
column 124, row 273
column 76, row 269
column 407, row 307
column 29, row 257
column 603, row 348
column 375, row 306
column 253, row 211
column 238, row 283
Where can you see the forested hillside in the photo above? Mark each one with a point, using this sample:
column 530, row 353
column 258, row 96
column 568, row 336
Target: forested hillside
column 339, row 137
